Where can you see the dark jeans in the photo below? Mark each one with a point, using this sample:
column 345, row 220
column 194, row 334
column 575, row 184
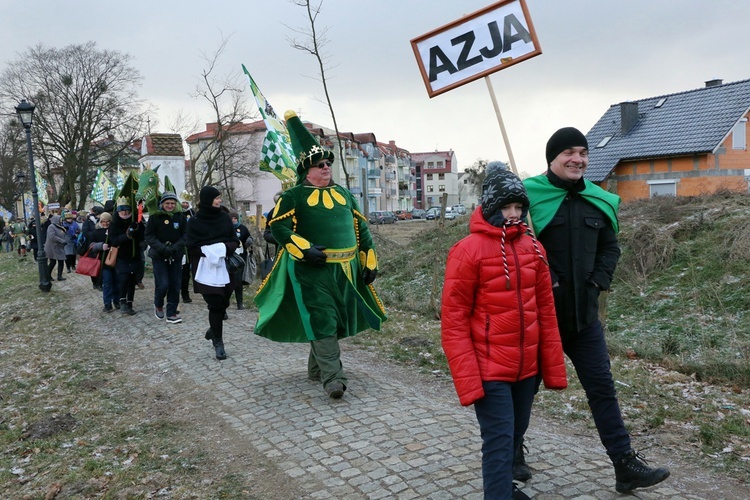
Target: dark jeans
column 110, row 287
column 503, row 415
column 167, row 282
column 217, row 307
column 587, row 350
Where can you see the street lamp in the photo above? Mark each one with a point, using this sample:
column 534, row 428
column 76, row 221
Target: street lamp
column 21, row 178
column 25, row 112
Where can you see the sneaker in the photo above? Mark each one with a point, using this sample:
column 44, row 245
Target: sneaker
column 159, row 312
column 521, row 471
column 631, row 471
column 108, row 308
column 335, row 390
column 174, row 319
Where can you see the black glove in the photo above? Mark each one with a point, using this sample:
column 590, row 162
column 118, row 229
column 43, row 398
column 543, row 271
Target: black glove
column 315, row 256
column 369, row 275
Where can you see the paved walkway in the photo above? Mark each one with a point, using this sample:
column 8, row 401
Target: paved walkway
column 395, row 434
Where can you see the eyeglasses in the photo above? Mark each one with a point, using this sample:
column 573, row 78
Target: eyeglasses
column 323, row 164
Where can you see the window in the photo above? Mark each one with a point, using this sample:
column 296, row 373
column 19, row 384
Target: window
column 441, row 187
column 430, row 189
column 440, row 164
column 441, row 177
column 429, row 177
column 661, row 102
column 739, row 135
column 430, row 164
column 666, row 187
column 604, row 141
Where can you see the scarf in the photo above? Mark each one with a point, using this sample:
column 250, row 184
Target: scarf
column 209, row 225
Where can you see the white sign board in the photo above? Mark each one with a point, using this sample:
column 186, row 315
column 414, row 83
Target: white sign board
column 475, row 46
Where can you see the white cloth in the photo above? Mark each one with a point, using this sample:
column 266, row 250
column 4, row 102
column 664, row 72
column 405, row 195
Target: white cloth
column 212, row 269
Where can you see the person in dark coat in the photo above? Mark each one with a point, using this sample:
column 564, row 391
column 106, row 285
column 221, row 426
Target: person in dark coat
column 246, row 243
column 210, row 239
column 165, row 236
column 99, row 241
column 126, row 234
column 576, row 222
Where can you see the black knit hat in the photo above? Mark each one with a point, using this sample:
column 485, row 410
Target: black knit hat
column 97, row 210
column 208, row 195
column 500, row 188
column 563, row 139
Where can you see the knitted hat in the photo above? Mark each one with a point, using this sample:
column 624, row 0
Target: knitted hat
column 563, row 139
column 500, row 188
column 109, row 206
column 168, row 195
column 306, row 147
column 97, row 210
column 208, row 195
column 234, row 214
column 123, row 204
column 105, row 216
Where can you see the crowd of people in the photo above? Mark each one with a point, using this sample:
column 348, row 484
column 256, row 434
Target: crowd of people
column 520, row 291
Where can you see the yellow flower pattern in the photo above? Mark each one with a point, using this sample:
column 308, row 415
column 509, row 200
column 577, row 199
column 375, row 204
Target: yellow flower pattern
column 329, row 198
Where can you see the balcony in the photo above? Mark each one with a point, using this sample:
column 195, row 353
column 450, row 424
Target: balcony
column 373, row 173
column 374, row 192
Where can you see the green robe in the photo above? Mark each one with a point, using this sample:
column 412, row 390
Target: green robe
column 298, row 302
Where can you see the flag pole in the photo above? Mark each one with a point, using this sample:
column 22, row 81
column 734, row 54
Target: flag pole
column 505, row 138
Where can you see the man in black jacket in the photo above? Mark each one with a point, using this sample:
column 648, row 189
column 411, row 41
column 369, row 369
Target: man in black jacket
column 165, row 235
column 576, row 222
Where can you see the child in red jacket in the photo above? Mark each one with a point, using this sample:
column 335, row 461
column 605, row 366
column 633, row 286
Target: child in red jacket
column 499, row 328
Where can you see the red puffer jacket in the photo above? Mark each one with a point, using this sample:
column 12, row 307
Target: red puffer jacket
column 495, row 328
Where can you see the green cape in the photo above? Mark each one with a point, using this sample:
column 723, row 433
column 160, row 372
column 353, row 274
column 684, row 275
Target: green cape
column 546, row 198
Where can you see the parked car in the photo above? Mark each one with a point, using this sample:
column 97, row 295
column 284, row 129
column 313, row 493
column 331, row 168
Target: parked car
column 460, row 209
column 381, row 217
column 402, row 214
column 433, row 213
column 417, row 213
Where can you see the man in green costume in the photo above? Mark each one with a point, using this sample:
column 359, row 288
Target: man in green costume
column 320, row 288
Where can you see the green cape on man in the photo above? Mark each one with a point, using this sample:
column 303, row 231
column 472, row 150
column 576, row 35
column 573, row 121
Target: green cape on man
column 546, row 198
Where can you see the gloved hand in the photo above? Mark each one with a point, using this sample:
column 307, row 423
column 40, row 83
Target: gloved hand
column 315, row 256
column 369, row 275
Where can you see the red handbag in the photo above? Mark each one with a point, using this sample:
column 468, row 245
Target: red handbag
column 89, row 266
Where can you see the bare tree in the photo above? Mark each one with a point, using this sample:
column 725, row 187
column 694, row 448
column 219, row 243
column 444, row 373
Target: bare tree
column 313, row 43
column 479, row 170
column 84, row 97
column 229, row 153
column 12, row 162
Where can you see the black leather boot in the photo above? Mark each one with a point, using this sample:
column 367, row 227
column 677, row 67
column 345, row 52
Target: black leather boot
column 219, row 348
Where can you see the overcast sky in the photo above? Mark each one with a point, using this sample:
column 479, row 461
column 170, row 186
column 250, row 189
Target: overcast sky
column 595, row 53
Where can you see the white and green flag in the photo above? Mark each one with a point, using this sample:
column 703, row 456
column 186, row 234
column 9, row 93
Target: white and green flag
column 277, row 154
column 103, row 188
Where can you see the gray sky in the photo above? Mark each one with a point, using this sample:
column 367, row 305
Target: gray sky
column 595, row 53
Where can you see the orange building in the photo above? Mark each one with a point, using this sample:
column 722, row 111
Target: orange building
column 684, row 144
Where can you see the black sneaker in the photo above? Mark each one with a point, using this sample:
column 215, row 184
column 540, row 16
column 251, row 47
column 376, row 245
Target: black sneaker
column 174, row 319
column 521, row 471
column 632, row 472
column 159, row 312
